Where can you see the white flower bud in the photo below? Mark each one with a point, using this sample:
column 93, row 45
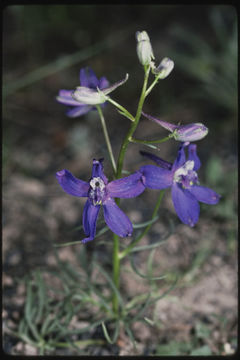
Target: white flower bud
column 144, row 48
column 163, row 69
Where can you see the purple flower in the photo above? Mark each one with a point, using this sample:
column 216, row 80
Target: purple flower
column 99, row 191
column 88, row 80
column 190, row 132
column 182, row 177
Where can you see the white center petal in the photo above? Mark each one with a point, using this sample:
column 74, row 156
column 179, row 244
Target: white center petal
column 97, row 182
column 183, row 171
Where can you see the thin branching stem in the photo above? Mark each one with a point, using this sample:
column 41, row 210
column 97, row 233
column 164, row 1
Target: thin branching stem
column 106, row 136
column 159, row 141
column 116, row 258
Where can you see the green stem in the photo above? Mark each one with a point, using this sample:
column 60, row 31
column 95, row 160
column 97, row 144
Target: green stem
column 105, row 132
column 145, row 231
column 133, row 126
column 138, row 141
column 152, row 86
column 116, row 258
column 123, row 111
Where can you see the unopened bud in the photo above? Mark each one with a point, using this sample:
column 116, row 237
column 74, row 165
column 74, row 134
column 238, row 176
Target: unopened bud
column 163, row 69
column 144, row 48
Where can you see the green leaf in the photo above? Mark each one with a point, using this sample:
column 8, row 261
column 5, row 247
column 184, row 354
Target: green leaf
column 141, row 311
column 41, row 296
column 107, row 277
column 109, row 340
column 146, row 223
column 142, row 275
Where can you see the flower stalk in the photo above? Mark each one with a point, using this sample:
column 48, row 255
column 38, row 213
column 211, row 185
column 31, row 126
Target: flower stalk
column 106, row 136
column 134, row 125
column 126, row 141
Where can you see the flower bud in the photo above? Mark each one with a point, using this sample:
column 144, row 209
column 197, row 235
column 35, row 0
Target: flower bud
column 191, row 132
column 163, row 69
column 144, row 48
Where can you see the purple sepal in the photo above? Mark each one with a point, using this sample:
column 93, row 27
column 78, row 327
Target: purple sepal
column 127, row 187
column 192, row 155
column 72, row 185
column 103, row 83
column 116, row 220
column 155, row 177
column 185, row 204
column 65, row 97
column 204, row 194
column 90, row 215
column 181, row 157
column 97, row 170
column 88, row 78
column 79, row 110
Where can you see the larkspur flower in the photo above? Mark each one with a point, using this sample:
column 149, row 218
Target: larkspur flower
column 183, row 133
column 182, row 177
column 88, row 80
column 99, row 192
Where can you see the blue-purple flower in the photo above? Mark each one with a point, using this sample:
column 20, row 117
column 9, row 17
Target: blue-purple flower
column 88, row 80
column 182, row 177
column 99, row 192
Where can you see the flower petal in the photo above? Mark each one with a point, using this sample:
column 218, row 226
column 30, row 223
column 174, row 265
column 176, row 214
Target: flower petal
column 192, row 155
column 90, row 215
column 186, row 205
column 164, row 164
column 103, row 83
column 88, row 78
column 127, row 187
column 65, row 93
column 83, row 77
column 204, row 194
column 181, row 158
column 97, row 170
column 116, row 220
column 155, row 177
column 72, row 185
column 67, row 99
column 93, row 82
column 79, row 110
